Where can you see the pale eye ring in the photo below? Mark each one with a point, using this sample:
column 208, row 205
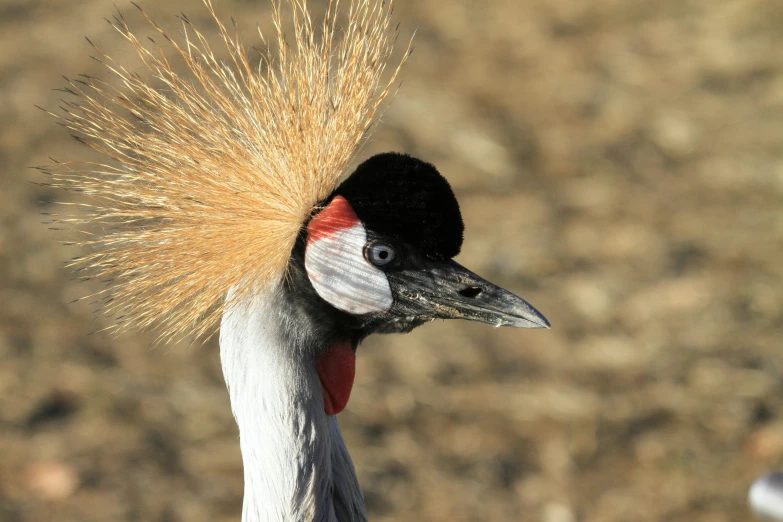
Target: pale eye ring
column 379, row 254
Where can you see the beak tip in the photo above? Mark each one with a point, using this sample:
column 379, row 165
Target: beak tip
column 532, row 318
column 546, row 324
column 531, row 321
column 542, row 322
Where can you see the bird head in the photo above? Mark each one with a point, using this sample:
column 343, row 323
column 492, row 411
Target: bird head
column 212, row 200
column 379, row 255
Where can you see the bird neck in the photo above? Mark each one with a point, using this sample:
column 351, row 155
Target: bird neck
column 296, row 465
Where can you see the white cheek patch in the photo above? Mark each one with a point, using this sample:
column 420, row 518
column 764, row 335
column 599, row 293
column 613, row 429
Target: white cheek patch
column 336, row 266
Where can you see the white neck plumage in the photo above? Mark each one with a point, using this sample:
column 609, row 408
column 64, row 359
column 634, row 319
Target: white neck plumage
column 296, row 465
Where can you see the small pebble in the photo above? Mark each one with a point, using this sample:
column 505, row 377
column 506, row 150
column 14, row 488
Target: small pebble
column 51, row 480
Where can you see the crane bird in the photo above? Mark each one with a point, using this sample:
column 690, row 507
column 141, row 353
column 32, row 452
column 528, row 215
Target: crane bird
column 225, row 202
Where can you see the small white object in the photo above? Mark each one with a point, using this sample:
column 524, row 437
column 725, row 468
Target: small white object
column 766, row 496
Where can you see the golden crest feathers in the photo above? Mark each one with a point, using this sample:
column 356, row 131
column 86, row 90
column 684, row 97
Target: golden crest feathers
column 210, row 174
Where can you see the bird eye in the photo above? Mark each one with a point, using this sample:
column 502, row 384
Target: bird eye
column 380, row 254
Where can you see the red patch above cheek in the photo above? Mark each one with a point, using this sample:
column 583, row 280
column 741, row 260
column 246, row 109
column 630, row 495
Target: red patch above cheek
column 336, row 369
column 338, row 215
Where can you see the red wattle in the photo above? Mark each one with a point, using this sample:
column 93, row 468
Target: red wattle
column 337, row 369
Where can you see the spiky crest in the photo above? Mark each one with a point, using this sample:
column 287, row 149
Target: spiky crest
column 213, row 172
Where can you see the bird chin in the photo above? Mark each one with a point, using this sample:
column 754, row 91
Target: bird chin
column 401, row 324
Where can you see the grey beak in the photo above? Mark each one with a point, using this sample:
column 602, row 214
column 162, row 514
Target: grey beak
column 450, row 291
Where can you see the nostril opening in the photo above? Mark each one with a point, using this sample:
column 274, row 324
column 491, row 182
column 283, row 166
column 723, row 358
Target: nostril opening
column 471, row 291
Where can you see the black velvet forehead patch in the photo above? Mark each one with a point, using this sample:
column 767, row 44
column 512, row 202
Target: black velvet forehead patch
column 404, row 198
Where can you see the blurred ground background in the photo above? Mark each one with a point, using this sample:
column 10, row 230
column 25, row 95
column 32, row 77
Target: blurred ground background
column 619, row 164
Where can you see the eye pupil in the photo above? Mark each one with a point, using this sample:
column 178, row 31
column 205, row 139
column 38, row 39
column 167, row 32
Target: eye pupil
column 383, row 254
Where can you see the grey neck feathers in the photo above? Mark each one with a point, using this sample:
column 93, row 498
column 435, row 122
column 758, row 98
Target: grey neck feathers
column 296, row 465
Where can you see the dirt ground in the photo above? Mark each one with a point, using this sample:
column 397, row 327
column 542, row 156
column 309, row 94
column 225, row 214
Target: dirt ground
column 619, row 164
